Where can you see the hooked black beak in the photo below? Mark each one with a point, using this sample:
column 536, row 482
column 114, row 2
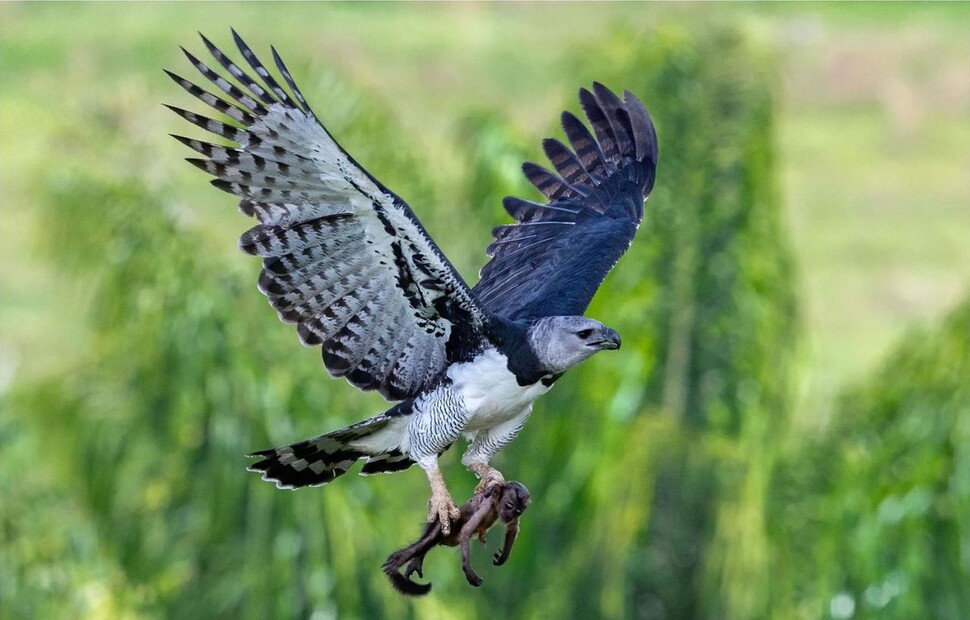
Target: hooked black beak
column 609, row 340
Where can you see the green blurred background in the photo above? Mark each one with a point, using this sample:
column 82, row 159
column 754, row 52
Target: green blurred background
column 785, row 434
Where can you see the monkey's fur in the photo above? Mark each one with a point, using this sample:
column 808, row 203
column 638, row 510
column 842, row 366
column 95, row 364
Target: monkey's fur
column 506, row 501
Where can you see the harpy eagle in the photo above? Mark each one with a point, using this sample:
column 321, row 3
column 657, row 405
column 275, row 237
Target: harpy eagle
column 347, row 261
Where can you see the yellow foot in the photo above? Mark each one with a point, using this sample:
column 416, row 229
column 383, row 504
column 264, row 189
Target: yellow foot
column 443, row 509
column 488, row 477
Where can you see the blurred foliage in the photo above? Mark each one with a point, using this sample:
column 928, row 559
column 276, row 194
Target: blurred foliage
column 662, row 486
column 875, row 513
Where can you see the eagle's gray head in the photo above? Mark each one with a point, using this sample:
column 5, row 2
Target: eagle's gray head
column 561, row 342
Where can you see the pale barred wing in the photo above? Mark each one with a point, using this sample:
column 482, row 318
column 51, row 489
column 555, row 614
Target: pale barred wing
column 557, row 254
column 344, row 258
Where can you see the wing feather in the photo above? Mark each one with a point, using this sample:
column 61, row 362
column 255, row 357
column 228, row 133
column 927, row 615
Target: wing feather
column 552, row 260
column 565, row 162
column 344, row 258
column 355, row 339
column 233, row 111
column 236, row 72
column 585, row 145
column 289, row 80
column 552, row 186
column 602, row 128
column 224, row 85
column 261, row 71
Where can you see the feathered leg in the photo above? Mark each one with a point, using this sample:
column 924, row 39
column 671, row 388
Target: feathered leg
column 434, row 425
column 486, row 444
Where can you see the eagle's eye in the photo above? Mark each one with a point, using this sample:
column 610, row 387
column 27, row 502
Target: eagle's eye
column 584, row 334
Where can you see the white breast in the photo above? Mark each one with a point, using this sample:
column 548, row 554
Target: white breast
column 489, row 390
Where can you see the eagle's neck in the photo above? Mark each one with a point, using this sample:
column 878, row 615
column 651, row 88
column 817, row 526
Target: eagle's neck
column 511, row 339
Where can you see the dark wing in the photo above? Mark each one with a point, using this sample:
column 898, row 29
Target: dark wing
column 344, row 258
column 552, row 261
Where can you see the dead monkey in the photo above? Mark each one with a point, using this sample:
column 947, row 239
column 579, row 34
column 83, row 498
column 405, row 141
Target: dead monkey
column 505, row 501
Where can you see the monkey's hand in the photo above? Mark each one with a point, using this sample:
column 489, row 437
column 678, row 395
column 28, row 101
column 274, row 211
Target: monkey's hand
column 472, row 576
column 416, row 565
column 511, row 532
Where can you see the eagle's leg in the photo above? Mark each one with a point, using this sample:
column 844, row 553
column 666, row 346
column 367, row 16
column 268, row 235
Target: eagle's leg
column 486, row 443
column 441, row 506
column 487, row 475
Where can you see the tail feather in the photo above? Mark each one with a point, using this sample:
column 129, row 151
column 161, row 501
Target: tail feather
column 320, row 460
column 388, row 463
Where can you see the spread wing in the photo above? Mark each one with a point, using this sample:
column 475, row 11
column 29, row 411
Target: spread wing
column 344, row 258
column 555, row 257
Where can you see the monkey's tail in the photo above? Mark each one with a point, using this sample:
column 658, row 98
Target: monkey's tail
column 401, row 583
column 322, row 459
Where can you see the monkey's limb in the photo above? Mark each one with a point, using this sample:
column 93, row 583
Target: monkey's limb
column 414, row 552
column 416, row 565
column 511, row 531
column 473, row 526
column 429, row 538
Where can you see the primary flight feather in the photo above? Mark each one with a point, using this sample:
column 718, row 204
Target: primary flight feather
column 347, row 261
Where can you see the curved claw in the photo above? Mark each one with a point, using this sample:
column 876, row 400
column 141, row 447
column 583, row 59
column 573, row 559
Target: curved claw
column 443, row 509
column 499, row 558
column 488, row 478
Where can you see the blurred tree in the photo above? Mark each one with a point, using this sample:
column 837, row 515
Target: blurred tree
column 150, row 432
column 879, row 524
column 649, row 467
column 721, row 313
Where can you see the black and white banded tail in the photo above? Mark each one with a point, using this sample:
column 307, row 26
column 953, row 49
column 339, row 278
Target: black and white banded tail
column 317, row 461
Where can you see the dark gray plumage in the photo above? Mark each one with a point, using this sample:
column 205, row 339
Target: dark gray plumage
column 554, row 259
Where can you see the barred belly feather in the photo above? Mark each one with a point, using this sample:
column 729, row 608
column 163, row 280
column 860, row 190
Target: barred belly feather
column 436, row 422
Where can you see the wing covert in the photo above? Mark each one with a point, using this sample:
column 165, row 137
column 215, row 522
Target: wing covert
column 344, row 258
column 552, row 260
